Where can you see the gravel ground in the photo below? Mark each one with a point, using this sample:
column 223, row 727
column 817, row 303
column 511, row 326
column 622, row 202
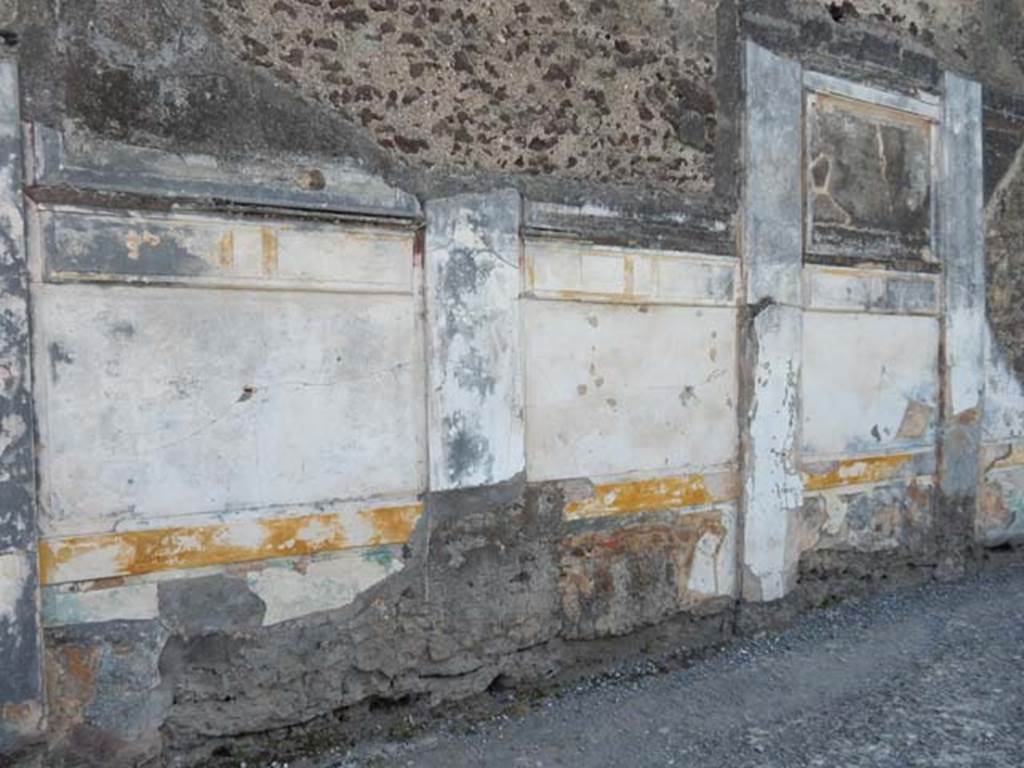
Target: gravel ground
column 931, row 676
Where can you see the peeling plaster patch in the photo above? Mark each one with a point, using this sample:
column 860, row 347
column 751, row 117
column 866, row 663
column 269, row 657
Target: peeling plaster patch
column 14, row 575
column 704, row 570
column 869, row 518
column 321, row 585
column 1001, row 507
column 632, row 497
column 106, row 679
column 916, row 420
column 615, row 580
column 12, row 429
column 65, row 606
column 1000, row 517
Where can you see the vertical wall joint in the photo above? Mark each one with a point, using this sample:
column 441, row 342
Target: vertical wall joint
column 961, row 246
column 475, row 395
column 21, row 709
column 772, row 332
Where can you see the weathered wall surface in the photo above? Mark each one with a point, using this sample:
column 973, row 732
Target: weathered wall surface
column 1001, row 519
column 631, row 107
column 384, row 352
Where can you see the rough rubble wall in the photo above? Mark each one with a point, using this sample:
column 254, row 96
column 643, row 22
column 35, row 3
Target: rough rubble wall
column 604, row 91
column 583, row 101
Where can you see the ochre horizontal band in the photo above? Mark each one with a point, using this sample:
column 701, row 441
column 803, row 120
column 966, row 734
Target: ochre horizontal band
column 125, row 553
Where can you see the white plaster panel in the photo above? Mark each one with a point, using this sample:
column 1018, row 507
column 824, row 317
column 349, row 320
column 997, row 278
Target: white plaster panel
column 161, row 401
column 870, row 383
column 612, row 389
column 713, row 572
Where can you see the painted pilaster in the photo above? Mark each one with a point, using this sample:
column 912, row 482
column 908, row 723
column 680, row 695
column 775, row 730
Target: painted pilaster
column 773, row 323
column 475, row 396
column 21, row 709
column 961, row 246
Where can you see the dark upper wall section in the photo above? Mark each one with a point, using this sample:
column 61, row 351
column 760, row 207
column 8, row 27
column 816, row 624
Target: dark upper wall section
column 606, row 91
column 150, row 73
column 902, row 43
column 629, row 102
column 576, row 101
column 1004, row 219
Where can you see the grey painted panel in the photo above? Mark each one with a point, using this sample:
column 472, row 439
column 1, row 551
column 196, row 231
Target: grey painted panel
column 292, row 181
column 772, row 201
column 869, row 181
column 20, row 653
column 962, row 247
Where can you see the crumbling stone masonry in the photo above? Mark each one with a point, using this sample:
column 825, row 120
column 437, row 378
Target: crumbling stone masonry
column 370, row 354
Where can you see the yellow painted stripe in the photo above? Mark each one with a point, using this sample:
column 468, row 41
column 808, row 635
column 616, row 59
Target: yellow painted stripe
column 862, row 471
column 663, row 493
column 103, row 555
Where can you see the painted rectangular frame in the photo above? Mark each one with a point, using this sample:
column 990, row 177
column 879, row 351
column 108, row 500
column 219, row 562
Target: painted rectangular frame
column 926, row 106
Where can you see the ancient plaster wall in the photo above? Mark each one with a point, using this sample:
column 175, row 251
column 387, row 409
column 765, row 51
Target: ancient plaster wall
column 352, row 395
